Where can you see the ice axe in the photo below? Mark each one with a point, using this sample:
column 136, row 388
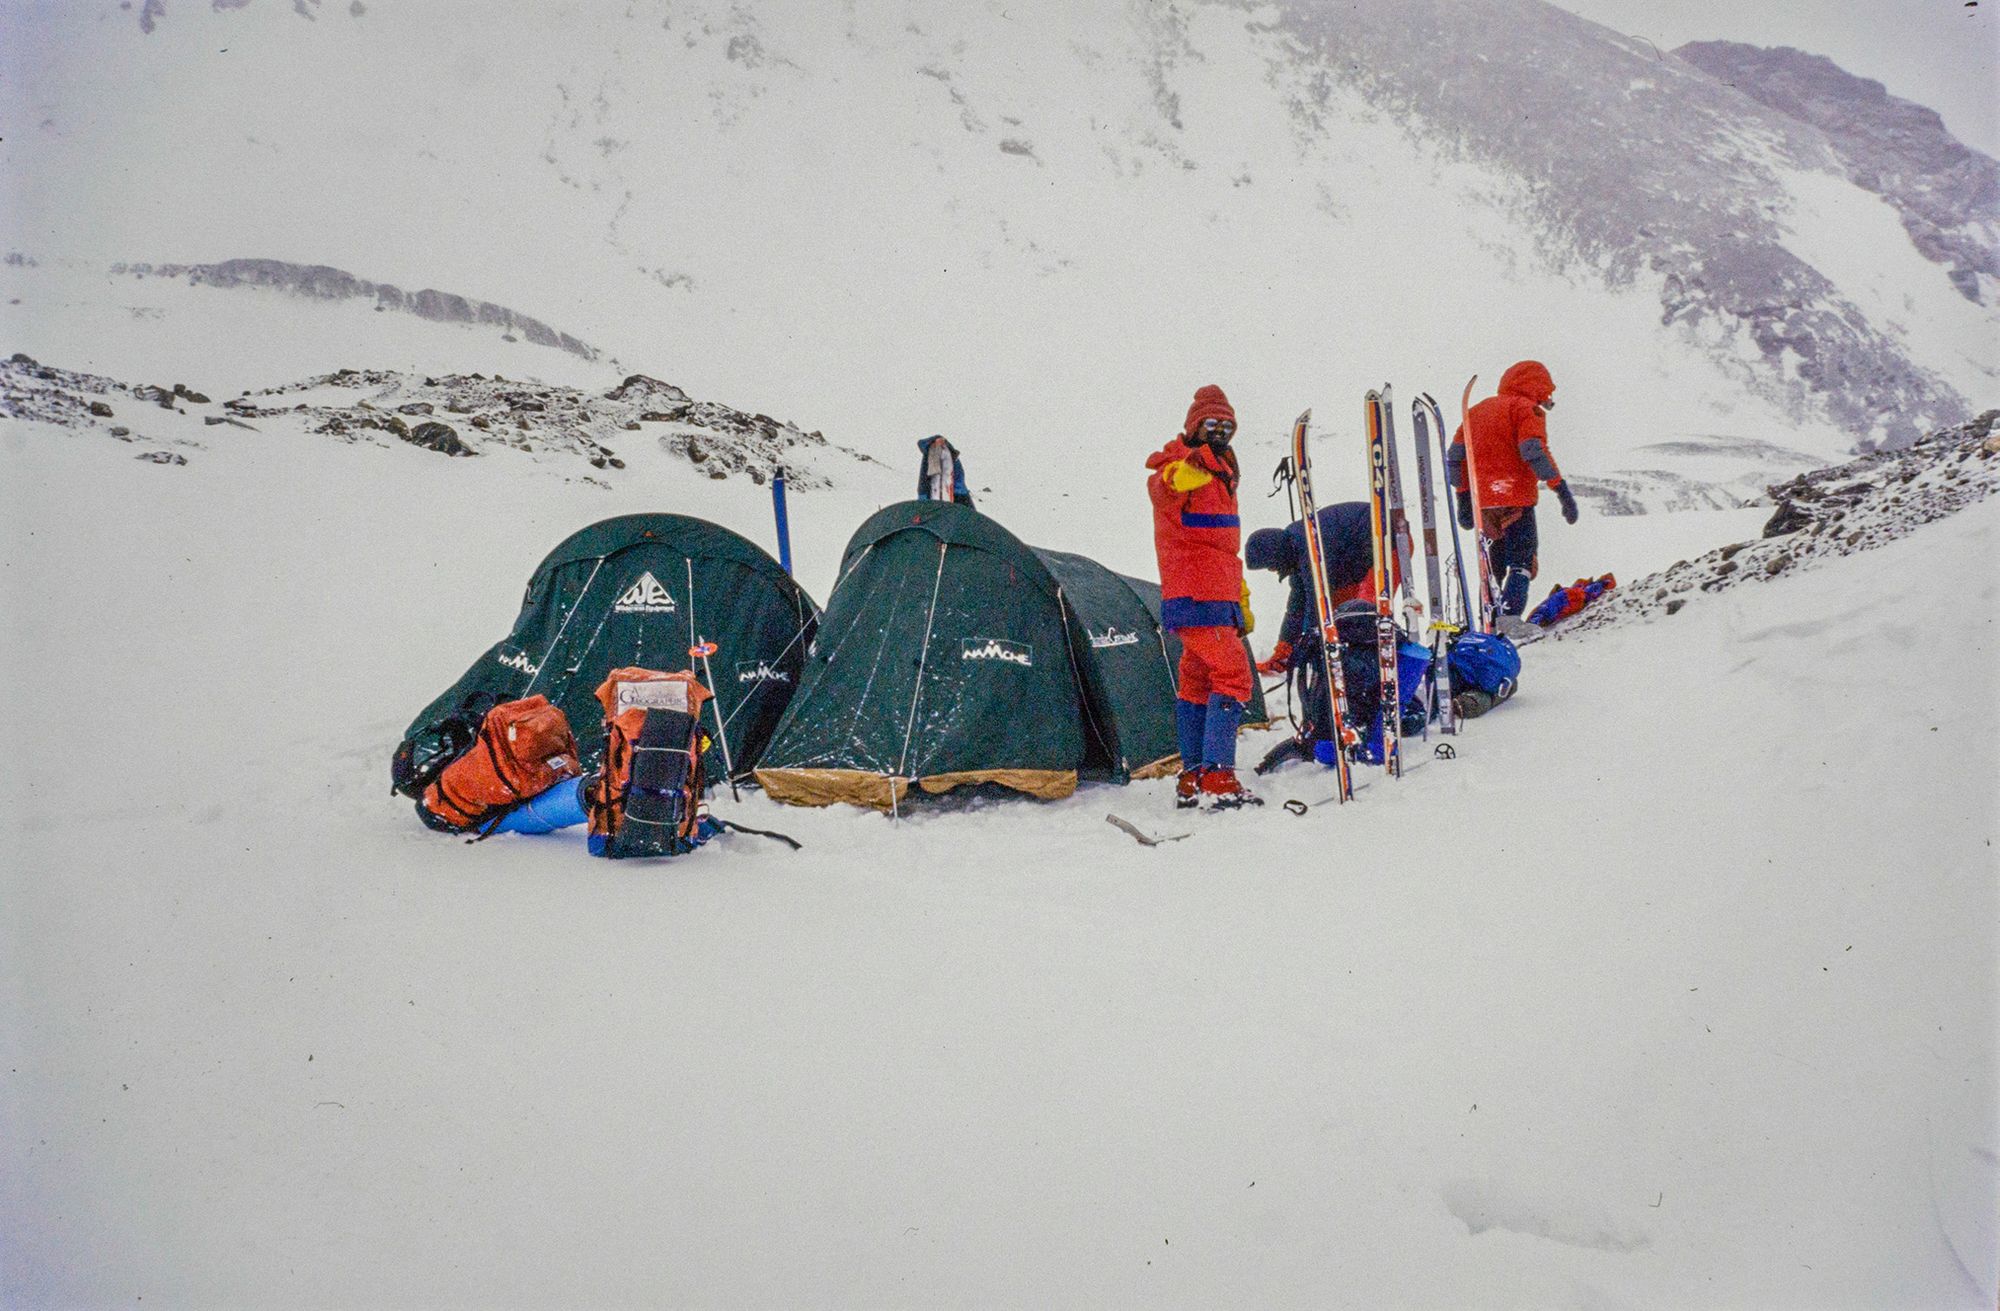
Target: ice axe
column 702, row 650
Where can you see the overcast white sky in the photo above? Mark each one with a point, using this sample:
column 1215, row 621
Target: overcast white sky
column 1940, row 53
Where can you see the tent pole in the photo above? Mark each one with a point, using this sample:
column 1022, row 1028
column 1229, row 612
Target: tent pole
column 917, row 693
column 562, row 628
column 703, row 649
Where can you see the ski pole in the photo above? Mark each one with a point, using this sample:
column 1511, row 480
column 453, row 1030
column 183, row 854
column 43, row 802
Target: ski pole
column 702, row 650
column 784, row 526
column 1284, row 476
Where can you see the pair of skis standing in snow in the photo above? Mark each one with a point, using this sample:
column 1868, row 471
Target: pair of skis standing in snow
column 1494, row 467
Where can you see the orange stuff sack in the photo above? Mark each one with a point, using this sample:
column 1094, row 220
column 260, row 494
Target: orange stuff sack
column 524, row 748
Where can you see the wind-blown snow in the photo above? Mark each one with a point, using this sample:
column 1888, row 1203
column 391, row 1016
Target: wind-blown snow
column 1676, row 987
column 1009, row 224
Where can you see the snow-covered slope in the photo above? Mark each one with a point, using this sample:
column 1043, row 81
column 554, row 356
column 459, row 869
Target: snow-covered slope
column 1709, row 1020
column 1025, row 225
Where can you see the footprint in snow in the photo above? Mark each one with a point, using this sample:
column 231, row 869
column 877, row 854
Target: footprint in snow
column 1485, row 1204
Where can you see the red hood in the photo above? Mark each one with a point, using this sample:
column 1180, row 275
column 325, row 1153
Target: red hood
column 1529, row 379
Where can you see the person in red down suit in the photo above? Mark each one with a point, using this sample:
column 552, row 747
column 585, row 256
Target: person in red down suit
column 1204, row 599
column 1510, row 449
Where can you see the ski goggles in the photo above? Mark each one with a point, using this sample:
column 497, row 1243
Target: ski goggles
column 1223, row 428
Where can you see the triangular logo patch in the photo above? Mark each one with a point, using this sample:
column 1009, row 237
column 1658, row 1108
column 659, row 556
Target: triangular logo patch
column 645, row 597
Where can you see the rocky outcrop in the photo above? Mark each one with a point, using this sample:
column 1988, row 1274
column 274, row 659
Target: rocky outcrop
column 715, row 439
column 1947, row 193
column 1824, row 514
column 383, row 406
column 1637, row 167
column 439, row 437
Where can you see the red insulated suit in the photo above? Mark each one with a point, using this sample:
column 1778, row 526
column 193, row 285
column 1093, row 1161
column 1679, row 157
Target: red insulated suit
column 1197, row 537
column 1506, row 429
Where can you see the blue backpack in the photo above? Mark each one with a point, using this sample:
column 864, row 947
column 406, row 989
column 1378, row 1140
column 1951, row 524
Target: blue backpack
column 1486, row 661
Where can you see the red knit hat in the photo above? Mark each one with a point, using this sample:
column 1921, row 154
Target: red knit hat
column 1209, row 403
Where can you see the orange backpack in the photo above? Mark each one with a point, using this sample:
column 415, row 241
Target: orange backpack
column 647, row 800
column 523, row 749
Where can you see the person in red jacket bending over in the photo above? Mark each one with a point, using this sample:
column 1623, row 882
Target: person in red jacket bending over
column 1204, row 598
column 1510, row 449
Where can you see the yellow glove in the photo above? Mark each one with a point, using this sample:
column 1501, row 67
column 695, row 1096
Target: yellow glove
column 1181, row 477
column 1249, row 620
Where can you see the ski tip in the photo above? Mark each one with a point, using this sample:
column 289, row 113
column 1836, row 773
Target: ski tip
column 1305, row 416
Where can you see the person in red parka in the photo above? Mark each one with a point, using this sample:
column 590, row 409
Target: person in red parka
column 1204, row 599
column 1510, row 451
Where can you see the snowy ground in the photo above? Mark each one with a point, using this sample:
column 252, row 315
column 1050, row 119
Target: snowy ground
column 1676, row 988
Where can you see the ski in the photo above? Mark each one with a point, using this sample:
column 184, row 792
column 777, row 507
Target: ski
column 1391, row 712
column 1399, row 524
column 1329, row 638
column 1441, row 627
column 1488, row 602
column 1464, row 611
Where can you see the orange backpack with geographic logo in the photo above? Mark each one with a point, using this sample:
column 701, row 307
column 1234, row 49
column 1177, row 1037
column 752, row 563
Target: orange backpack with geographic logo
column 649, row 797
column 523, row 749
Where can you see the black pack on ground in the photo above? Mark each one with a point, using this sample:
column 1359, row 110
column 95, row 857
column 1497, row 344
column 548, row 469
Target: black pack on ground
column 664, row 789
column 647, row 800
column 1361, row 668
column 420, row 758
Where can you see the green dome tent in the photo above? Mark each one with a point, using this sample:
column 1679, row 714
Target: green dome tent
column 638, row 590
column 951, row 654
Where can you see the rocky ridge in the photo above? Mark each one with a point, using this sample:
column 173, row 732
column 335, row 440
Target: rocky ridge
column 454, row 414
column 1823, row 515
column 1947, row 194
column 1646, row 170
column 322, row 282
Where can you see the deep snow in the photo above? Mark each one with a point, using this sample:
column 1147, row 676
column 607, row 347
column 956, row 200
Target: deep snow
column 1677, row 987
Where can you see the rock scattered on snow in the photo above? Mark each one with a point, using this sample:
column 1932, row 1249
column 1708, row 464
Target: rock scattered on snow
column 31, row 390
column 369, row 404
column 1837, row 511
column 541, row 416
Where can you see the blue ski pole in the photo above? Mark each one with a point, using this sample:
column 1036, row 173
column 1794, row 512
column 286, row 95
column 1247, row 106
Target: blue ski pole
column 784, row 527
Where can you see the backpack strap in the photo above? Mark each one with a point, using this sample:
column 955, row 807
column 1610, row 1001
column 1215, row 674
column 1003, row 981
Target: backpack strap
column 759, row 832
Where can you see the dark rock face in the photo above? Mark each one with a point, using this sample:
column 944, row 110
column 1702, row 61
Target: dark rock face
column 1633, row 166
column 1787, row 518
column 639, row 387
column 324, row 283
column 440, row 437
column 1901, row 151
